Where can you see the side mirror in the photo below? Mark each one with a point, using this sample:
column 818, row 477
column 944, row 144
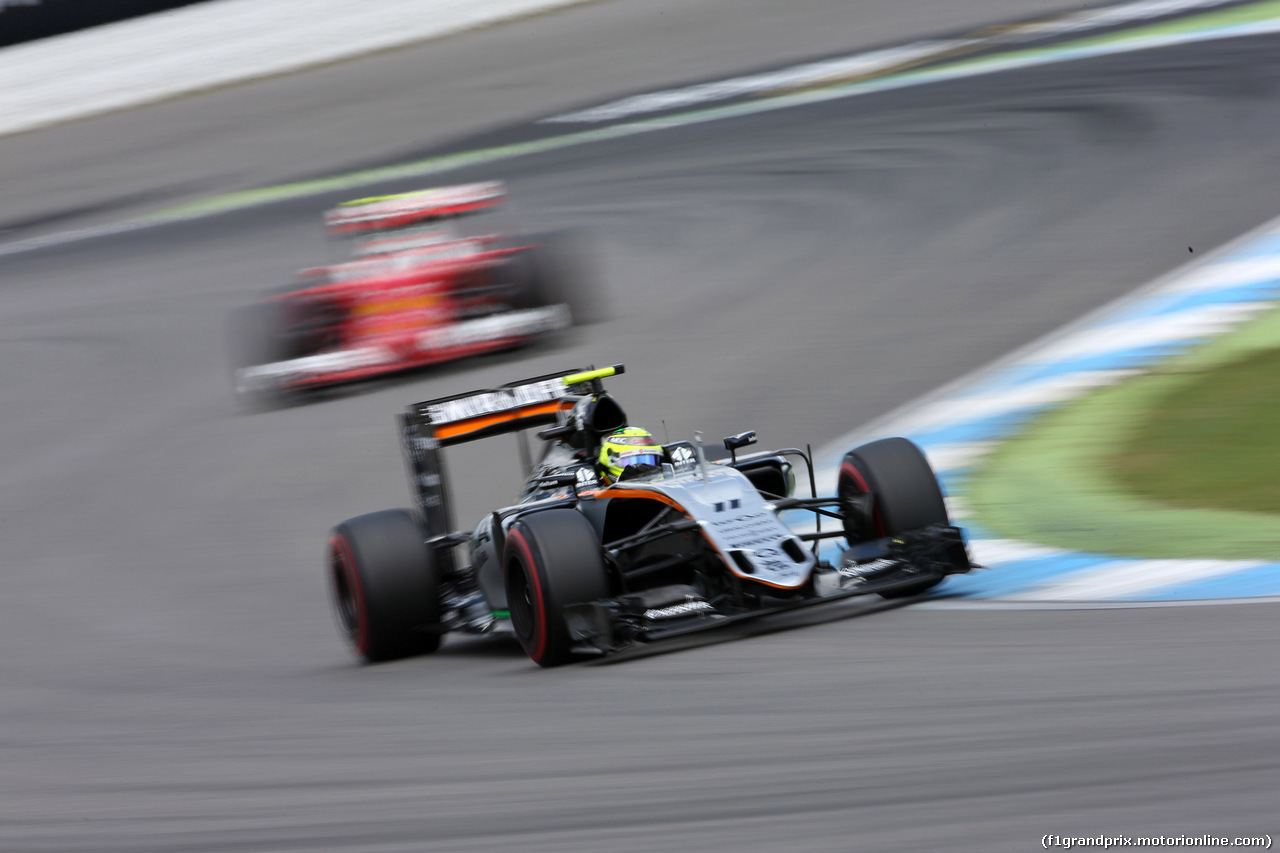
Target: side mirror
column 742, row 439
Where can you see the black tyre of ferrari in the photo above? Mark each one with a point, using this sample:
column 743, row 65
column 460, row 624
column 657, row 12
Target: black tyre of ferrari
column 278, row 330
column 312, row 327
column 553, row 271
column 384, row 585
column 904, row 492
column 256, row 337
column 551, row 558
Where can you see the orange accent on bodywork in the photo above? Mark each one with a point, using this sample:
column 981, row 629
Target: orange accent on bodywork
column 453, row 430
column 661, row 498
column 638, row 493
column 388, row 306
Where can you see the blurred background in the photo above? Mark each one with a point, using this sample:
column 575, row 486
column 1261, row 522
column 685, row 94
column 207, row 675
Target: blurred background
column 792, row 234
column 28, row 20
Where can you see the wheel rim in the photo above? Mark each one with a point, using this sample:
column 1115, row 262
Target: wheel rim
column 851, row 484
column 345, row 600
column 520, row 601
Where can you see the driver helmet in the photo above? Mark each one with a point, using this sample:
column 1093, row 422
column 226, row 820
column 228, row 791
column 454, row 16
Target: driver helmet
column 626, row 448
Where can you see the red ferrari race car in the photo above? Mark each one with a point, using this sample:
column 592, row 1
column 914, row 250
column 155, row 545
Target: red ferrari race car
column 414, row 292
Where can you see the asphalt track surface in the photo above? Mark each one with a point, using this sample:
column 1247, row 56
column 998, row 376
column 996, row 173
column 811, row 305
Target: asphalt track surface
column 172, row 679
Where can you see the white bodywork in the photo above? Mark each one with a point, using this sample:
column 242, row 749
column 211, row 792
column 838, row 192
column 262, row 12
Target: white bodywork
column 734, row 518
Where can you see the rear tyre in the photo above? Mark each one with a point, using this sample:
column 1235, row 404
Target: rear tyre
column 552, row 558
column 384, row 585
column 903, row 495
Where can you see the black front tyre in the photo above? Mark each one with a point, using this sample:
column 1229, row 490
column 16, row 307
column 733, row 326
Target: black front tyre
column 384, row 585
column 888, row 487
column 552, row 558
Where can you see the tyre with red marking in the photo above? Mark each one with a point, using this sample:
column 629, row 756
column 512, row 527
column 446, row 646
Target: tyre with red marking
column 888, row 487
column 552, row 558
column 384, row 585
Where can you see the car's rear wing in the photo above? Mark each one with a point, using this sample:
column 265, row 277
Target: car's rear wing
column 432, row 425
column 380, row 213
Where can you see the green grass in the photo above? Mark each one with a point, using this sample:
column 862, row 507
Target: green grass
column 1198, row 431
column 1212, row 443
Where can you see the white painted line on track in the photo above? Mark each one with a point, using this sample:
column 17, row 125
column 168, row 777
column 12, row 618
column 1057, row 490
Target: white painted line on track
column 1192, row 324
column 958, row 456
column 997, row 604
column 221, row 42
column 990, row 551
column 1003, row 401
column 1116, row 44
column 830, row 71
column 1126, row 578
column 1228, row 274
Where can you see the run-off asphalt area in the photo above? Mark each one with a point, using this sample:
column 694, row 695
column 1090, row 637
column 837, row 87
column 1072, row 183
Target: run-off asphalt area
column 173, row 680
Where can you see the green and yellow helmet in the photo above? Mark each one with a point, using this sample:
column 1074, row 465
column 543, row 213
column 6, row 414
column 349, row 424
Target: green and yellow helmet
column 624, row 448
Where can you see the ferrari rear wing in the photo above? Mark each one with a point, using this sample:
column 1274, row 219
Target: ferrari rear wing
column 432, row 425
column 380, row 213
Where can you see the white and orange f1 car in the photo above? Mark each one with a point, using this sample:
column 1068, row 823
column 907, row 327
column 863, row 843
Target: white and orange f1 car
column 586, row 564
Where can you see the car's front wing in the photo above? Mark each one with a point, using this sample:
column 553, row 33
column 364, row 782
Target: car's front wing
column 431, row 345
column 882, row 566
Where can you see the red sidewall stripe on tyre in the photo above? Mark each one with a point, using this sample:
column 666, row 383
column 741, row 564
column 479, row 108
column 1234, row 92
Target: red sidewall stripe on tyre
column 339, row 543
column 856, row 475
column 540, row 629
